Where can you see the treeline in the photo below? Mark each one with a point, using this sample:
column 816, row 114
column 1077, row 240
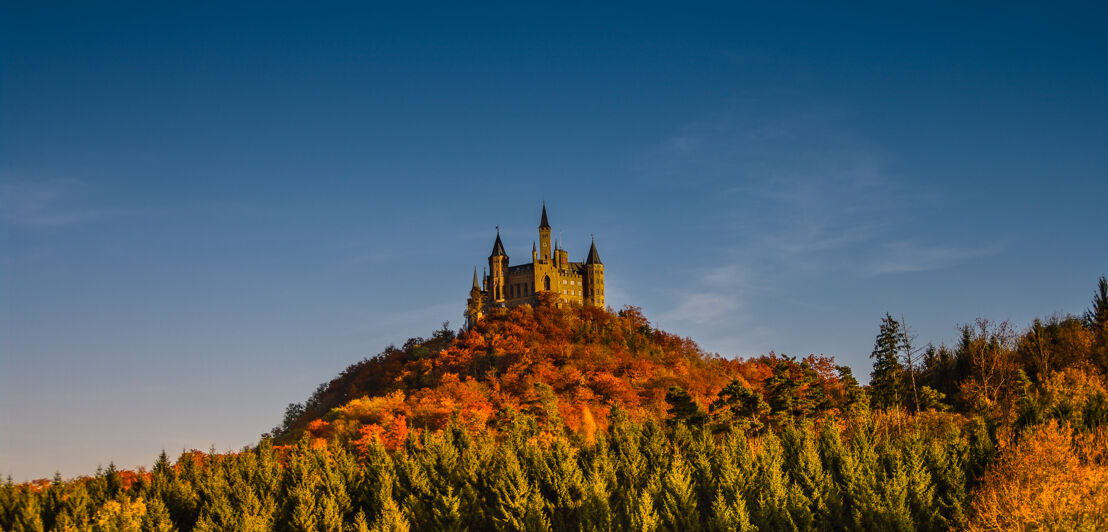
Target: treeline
column 1054, row 369
column 854, row 474
column 576, row 418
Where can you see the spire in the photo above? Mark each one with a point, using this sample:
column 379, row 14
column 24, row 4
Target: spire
column 498, row 246
column 544, row 224
column 594, row 257
column 475, row 285
column 533, row 248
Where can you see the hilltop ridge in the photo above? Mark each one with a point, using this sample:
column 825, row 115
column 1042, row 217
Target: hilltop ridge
column 569, row 362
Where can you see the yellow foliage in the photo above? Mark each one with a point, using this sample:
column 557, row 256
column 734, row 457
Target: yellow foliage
column 371, row 408
column 1043, row 483
column 120, row 516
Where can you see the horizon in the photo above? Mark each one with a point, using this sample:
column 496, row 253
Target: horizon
column 206, row 212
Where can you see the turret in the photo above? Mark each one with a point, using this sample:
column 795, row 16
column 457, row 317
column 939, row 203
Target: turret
column 475, row 304
column 594, row 278
column 544, row 236
column 498, row 270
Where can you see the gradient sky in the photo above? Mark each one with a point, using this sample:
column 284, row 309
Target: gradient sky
column 207, row 211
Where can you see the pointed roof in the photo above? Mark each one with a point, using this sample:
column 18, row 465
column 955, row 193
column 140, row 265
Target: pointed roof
column 544, row 224
column 594, row 257
column 533, row 248
column 475, row 285
column 498, row 247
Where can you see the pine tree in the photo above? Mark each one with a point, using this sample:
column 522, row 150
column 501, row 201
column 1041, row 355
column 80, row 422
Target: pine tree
column 921, row 488
column 560, row 481
column 360, row 524
column 1096, row 319
column 805, row 470
column 677, row 497
column 157, row 517
column 887, row 379
column 518, row 505
column 683, row 409
column 729, row 515
column 596, row 509
column 644, row 518
column 738, row 404
column 391, row 519
column 775, row 501
column 893, row 512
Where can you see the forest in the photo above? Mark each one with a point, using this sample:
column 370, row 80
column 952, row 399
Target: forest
column 579, row 418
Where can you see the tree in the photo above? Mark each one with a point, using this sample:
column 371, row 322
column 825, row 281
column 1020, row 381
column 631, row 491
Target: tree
column 1097, row 315
column 990, row 349
column 887, row 378
column 683, row 409
column 739, row 405
column 1096, row 319
column 911, row 356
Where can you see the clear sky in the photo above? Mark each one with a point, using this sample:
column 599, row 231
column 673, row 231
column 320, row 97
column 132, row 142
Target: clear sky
column 206, row 211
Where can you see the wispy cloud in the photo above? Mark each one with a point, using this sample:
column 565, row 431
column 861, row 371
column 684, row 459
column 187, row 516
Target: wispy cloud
column 802, row 190
column 717, row 295
column 54, row 203
column 907, row 256
column 792, row 199
column 46, row 203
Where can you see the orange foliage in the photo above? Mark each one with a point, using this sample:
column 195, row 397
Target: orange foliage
column 589, row 358
column 1045, row 481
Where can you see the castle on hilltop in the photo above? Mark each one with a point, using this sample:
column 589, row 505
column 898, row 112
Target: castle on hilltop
column 549, row 271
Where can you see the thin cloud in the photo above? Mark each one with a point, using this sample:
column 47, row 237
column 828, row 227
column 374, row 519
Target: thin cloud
column 791, row 197
column 719, row 295
column 55, row 203
column 46, row 203
column 908, row 256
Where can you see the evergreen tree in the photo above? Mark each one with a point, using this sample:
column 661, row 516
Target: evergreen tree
column 738, row 404
column 644, row 517
column 805, row 470
column 775, row 501
column 683, row 409
column 887, row 379
column 157, row 517
column 1096, row 319
column 518, row 504
column 391, row 519
column 677, row 497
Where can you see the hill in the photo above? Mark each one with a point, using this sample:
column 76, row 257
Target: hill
column 570, row 418
column 571, row 364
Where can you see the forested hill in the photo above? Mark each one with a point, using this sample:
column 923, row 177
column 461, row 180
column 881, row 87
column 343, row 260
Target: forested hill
column 581, row 419
column 566, row 365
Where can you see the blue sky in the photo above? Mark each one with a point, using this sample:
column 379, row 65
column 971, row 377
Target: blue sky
column 206, row 211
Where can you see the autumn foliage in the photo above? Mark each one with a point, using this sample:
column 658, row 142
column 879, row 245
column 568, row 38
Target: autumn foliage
column 563, row 365
column 571, row 418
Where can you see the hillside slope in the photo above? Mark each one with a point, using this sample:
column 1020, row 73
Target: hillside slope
column 573, row 363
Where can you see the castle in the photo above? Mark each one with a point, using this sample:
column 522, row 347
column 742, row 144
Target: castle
column 550, row 271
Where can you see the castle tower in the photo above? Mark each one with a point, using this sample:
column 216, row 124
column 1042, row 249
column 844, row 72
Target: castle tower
column 594, row 278
column 476, row 302
column 498, row 271
column 544, row 236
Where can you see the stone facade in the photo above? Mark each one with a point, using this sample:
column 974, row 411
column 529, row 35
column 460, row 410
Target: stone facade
column 550, row 270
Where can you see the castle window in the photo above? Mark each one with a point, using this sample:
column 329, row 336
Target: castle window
column 546, row 282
